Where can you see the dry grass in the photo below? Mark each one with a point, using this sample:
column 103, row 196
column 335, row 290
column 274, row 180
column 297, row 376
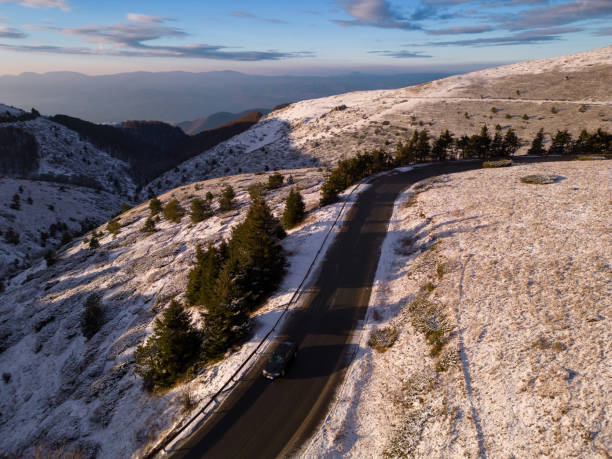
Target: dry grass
column 498, row 163
column 383, row 338
column 590, row 157
column 539, row 179
column 511, row 344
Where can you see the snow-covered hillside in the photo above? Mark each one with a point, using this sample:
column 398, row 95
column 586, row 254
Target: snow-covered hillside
column 322, row 131
column 62, row 391
column 81, row 184
column 63, row 156
column 520, row 276
column 9, row 110
column 39, row 218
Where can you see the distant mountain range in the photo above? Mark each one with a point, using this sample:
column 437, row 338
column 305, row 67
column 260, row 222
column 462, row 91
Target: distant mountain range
column 216, row 120
column 178, row 96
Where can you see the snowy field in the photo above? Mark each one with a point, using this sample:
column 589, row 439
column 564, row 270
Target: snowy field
column 63, row 393
column 519, row 279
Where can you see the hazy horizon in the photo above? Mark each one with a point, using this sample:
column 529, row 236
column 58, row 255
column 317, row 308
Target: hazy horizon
column 180, row 96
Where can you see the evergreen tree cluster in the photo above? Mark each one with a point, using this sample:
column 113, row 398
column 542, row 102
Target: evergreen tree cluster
column 349, row 171
column 6, row 117
column 422, row 147
column 231, row 280
column 171, row 351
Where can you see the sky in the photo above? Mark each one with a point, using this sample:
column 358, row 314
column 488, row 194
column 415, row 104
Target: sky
column 279, row 37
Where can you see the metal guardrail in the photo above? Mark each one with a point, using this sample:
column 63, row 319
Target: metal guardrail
column 180, row 429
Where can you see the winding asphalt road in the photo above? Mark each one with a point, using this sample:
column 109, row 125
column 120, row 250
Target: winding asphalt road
column 265, row 419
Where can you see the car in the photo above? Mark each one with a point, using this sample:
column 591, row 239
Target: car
column 279, row 361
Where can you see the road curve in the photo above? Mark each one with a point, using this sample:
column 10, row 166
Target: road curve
column 264, row 419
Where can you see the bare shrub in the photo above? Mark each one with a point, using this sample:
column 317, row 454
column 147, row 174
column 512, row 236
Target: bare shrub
column 428, row 318
column 187, row 401
column 447, row 359
column 383, row 338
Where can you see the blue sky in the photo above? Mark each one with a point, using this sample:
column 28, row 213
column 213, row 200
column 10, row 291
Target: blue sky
column 281, row 37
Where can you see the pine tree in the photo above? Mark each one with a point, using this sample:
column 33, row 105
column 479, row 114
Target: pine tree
column 226, row 201
column 329, row 193
column 463, row 144
column 422, row 148
column 482, row 143
column 202, row 278
column 561, row 143
column 155, row 206
column 200, row 210
column 275, row 181
column 92, row 318
column 441, row 146
column 113, row 227
column 537, row 144
column 227, row 318
column 256, row 190
column 511, row 143
column 256, row 252
column 497, row 144
column 294, row 209
column 149, row 226
column 173, row 211
column 406, row 152
column 16, row 203
column 172, row 349
column 94, row 243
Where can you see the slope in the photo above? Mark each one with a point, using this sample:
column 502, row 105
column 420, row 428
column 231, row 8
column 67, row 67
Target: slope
column 566, row 92
column 214, row 120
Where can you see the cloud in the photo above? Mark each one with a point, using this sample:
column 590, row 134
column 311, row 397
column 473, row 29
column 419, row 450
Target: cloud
column 131, row 39
column 135, row 17
column 603, row 32
column 61, row 4
column 247, row 15
column 460, row 30
column 130, row 35
column 522, row 38
column 488, row 3
column 401, row 54
column 11, row 32
column 186, row 51
column 561, row 14
column 373, row 13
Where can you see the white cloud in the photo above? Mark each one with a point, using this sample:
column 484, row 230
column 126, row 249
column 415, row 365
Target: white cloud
column 61, row 4
column 135, row 17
